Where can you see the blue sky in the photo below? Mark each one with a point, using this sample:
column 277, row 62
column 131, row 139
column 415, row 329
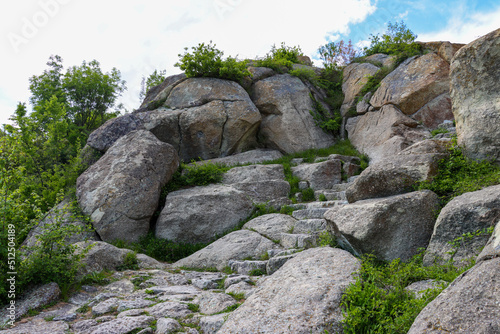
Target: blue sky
column 138, row 37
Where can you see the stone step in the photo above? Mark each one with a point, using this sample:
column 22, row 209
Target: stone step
column 299, row 240
column 307, row 226
column 247, row 267
column 331, row 195
column 312, row 213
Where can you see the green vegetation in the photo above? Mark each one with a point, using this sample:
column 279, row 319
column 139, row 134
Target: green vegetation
column 193, row 307
column 378, row 303
column 154, row 79
column 308, row 195
column 281, row 59
column 130, row 262
column 99, row 278
column 397, row 40
column 326, row 240
column 459, row 174
column 338, row 54
column 373, row 82
column 256, row 272
column 438, row 131
column 206, row 61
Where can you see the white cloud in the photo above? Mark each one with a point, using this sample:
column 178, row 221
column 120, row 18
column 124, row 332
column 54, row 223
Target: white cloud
column 137, row 37
column 464, row 28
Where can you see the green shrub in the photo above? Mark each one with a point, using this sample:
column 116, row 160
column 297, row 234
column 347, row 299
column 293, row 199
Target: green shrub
column 130, row 262
column 378, row 303
column 306, row 74
column 326, row 240
column 458, row 174
column 438, row 131
column 323, row 119
column 281, row 59
column 398, row 40
column 322, row 198
column 373, row 82
column 308, row 195
column 336, row 54
column 206, row 61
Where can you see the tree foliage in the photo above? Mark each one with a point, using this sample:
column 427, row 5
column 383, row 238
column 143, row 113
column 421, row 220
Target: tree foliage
column 396, row 40
column 336, row 54
column 154, row 79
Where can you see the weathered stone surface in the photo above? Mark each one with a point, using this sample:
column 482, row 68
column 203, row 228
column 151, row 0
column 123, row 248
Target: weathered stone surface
column 467, row 213
column 492, row 248
column 169, row 310
column 123, row 325
column 395, row 175
column 470, row 304
column 475, row 92
column 108, row 133
column 321, row 175
column 235, row 279
column 104, row 256
column 355, row 77
column 271, row 225
column 63, row 214
column 211, row 324
column 384, row 133
column 199, row 214
column 242, row 287
column 415, row 82
column 164, row 124
column 211, row 302
column 419, row 288
column 248, row 157
column 106, row 306
column 261, row 183
column 435, row 112
column 121, row 191
column 259, row 73
column 276, row 263
column 445, row 50
column 157, row 95
column 247, row 267
column 167, row 326
column 392, row 227
column 384, row 59
column 287, row 124
column 301, row 297
column 39, row 326
column 123, row 286
column 32, row 299
column 234, row 246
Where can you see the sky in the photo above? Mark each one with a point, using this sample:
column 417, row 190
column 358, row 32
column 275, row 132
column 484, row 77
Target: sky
column 137, row 37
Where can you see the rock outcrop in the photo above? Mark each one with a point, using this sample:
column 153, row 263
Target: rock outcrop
column 475, row 91
column 121, row 191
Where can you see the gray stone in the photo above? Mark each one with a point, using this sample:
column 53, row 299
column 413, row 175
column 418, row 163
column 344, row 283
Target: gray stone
column 271, row 225
column 310, row 226
column 211, row 324
column 120, row 192
column 419, row 288
column 276, row 263
column 247, row 267
column 106, row 306
column 298, row 240
column 169, row 310
column 392, row 227
column 310, row 302
column 467, row 213
column 384, row 133
column 39, row 326
column 234, row 246
column 211, row 302
column 157, row 95
column 123, row 325
column 475, row 88
column 205, row 281
column 241, row 288
column 435, row 111
column 248, row 157
column 175, row 290
column 363, row 105
column 415, row 82
column 137, row 303
column 108, row 133
column 33, row 298
column 287, row 124
column 123, row 286
column 313, row 213
column 355, row 77
column 164, row 124
column 167, row 326
column 470, row 304
column 199, row 214
column 321, row 175
column 384, row 59
column 394, row 175
column 492, row 248
column 236, row 278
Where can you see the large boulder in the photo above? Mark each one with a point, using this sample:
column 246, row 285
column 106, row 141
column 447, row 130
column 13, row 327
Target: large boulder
column 302, row 297
column 465, row 214
column 199, row 214
column 394, row 175
column 412, row 84
column 249, row 157
column 492, row 248
column 475, row 92
column 384, row 133
column 271, row 225
column 236, row 245
column 287, row 124
column 354, row 79
column 320, row 175
column 108, row 133
column 261, row 183
column 120, row 192
column 392, row 227
column 435, row 112
column 470, row 304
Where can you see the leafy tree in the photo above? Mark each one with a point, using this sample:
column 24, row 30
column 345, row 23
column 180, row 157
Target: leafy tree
column 397, row 39
column 154, row 79
column 338, row 54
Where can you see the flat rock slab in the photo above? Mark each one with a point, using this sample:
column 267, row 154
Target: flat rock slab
column 302, row 297
column 470, row 304
column 271, row 225
column 248, row 157
column 391, row 227
column 234, row 246
column 39, row 326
